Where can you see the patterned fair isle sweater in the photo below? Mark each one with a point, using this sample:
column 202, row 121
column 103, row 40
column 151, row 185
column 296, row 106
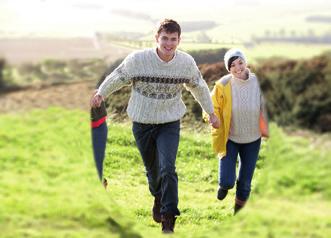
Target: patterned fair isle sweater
column 156, row 95
column 246, row 104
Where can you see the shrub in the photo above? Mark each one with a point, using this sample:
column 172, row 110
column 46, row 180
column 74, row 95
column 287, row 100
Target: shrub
column 298, row 92
column 2, row 66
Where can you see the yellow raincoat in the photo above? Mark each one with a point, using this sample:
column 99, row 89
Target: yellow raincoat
column 222, row 101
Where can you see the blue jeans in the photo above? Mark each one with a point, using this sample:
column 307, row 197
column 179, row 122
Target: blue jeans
column 99, row 140
column 158, row 145
column 248, row 153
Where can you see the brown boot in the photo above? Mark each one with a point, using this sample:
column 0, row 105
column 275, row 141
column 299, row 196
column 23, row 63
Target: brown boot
column 105, row 183
column 157, row 209
column 221, row 194
column 168, row 223
column 239, row 204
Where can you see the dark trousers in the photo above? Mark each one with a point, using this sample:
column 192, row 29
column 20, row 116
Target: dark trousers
column 158, row 145
column 99, row 140
column 248, row 153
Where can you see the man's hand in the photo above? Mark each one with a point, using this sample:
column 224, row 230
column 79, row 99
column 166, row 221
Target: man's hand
column 96, row 100
column 214, row 121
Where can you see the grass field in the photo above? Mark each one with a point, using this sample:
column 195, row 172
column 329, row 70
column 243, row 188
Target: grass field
column 49, row 186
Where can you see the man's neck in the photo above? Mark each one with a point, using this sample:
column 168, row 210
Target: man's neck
column 164, row 57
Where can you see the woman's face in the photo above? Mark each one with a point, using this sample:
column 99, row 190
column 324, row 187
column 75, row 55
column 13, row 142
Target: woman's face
column 238, row 69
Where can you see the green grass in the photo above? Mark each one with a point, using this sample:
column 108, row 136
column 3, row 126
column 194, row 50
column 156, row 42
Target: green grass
column 49, row 186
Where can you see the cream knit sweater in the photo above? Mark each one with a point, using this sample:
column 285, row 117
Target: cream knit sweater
column 157, row 85
column 246, row 105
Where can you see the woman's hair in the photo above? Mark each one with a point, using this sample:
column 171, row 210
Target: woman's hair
column 233, row 58
column 169, row 26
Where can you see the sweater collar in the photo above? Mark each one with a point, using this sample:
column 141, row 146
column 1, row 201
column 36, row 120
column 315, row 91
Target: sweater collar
column 162, row 61
column 249, row 74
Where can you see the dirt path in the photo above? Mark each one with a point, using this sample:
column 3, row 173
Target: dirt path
column 72, row 96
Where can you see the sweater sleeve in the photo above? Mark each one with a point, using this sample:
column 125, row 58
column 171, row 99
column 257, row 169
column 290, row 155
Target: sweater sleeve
column 117, row 79
column 217, row 99
column 199, row 89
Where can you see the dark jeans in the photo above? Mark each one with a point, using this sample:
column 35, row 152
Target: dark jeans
column 227, row 167
column 158, row 145
column 99, row 140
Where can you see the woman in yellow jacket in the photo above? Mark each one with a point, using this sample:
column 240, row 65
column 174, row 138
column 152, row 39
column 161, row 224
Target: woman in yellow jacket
column 239, row 104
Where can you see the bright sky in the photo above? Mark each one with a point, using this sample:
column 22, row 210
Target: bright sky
column 84, row 17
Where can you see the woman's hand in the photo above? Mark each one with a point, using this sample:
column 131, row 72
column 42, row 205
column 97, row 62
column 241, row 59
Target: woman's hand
column 214, row 121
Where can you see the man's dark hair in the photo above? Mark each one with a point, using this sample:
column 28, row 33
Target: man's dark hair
column 169, row 26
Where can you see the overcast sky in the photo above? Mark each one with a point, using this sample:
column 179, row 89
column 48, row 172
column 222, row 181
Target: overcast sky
column 84, row 17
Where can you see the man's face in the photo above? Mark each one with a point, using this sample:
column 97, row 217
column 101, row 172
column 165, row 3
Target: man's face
column 167, row 44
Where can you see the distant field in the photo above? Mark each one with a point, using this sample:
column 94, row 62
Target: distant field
column 291, row 51
column 253, row 52
column 33, row 50
column 262, row 51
